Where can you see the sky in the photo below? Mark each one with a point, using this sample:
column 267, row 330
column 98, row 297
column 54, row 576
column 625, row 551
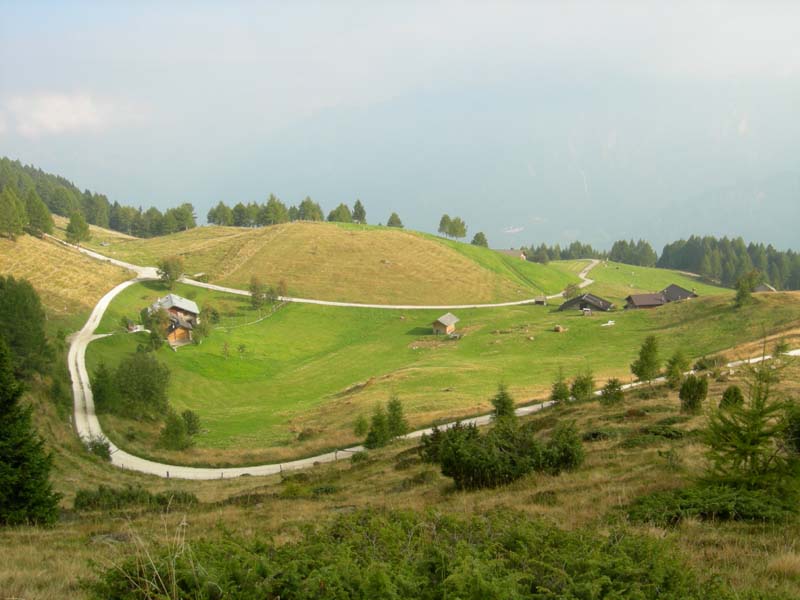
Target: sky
column 533, row 121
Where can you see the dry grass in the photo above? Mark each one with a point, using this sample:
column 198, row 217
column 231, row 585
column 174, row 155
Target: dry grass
column 68, row 282
column 331, row 262
column 99, row 234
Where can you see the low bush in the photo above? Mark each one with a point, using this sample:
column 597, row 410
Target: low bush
column 100, row 448
column 710, row 363
column 371, row 554
column 582, row 388
column 665, row 431
column 612, row 392
column 107, row 498
column 718, row 503
column 732, row 396
column 694, row 391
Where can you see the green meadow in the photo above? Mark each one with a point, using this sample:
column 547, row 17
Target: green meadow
column 294, row 382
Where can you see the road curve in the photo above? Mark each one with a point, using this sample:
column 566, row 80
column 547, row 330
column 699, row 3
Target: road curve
column 151, row 273
column 88, row 426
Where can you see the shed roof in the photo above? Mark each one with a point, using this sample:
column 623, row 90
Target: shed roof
column 644, row 300
column 596, row 301
column 673, row 293
column 447, row 320
column 175, row 301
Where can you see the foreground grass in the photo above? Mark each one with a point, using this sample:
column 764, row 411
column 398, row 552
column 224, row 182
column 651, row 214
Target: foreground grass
column 356, row 263
column 757, row 560
column 293, row 384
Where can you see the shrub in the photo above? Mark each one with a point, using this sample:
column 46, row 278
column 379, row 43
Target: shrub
column 582, row 387
column 361, row 426
column 560, row 389
column 677, row 365
column 564, row 451
column 503, row 404
column 174, row 435
column 710, row 363
column 731, row 397
column 402, row 554
column 107, row 498
column 192, row 422
column 100, row 448
column 431, row 444
column 664, row 431
column 693, row 391
column 792, row 428
column 359, row 458
column 746, row 444
column 612, row 392
column 717, row 502
column 379, row 434
column 395, row 419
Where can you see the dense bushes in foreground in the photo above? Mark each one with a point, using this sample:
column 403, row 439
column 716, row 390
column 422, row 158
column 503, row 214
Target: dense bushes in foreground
column 107, row 498
column 379, row 554
column 711, row 503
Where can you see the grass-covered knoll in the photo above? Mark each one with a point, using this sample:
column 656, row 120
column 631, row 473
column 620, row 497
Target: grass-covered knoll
column 69, row 283
column 355, row 263
column 754, row 560
column 616, row 281
column 307, row 372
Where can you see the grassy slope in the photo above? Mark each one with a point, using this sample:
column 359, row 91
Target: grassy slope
column 616, row 281
column 316, row 368
column 350, row 263
column 100, row 235
column 747, row 556
column 68, row 282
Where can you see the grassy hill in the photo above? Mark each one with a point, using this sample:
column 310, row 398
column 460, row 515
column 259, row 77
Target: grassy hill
column 306, row 372
column 69, row 283
column 348, row 263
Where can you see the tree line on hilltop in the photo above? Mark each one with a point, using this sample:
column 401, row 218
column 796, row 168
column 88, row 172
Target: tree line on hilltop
column 274, row 211
column 721, row 260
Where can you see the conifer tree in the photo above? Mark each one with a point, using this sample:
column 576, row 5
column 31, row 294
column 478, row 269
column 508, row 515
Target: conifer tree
column 40, row 220
column 26, row 495
column 394, row 221
column 647, row 366
column 503, row 404
column 395, row 419
column 359, row 213
column 10, row 220
column 78, row 229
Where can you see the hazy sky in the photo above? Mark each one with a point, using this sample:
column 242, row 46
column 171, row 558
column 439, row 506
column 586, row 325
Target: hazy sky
column 533, row 121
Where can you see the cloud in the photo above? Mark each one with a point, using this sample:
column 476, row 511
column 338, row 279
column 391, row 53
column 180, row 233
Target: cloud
column 513, row 230
column 743, row 127
column 538, row 220
column 42, row 114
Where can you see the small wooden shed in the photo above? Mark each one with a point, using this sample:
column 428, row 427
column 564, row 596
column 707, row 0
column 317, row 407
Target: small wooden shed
column 445, row 325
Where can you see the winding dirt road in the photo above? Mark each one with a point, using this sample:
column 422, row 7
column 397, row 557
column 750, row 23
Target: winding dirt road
column 88, row 427
column 87, row 424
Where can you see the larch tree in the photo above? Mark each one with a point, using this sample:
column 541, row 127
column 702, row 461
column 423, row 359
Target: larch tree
column 648, row 365
column 10, row 219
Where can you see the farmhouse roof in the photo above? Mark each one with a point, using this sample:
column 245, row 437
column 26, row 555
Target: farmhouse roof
column 764, row 287
column 674, row 293
column 590, row 299
column 175, row 301
column 447, row 320
column 646, row 300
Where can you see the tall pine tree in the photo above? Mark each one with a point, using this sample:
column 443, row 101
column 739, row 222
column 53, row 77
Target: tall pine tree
column 26, row 495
